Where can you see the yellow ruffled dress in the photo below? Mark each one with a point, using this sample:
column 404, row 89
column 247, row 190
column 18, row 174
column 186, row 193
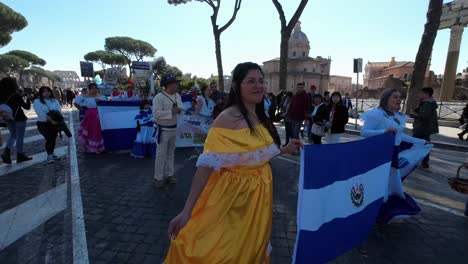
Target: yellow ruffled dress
column 231, row 221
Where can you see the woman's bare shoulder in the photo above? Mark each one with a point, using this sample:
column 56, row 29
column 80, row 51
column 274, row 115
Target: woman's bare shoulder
column 230, row 118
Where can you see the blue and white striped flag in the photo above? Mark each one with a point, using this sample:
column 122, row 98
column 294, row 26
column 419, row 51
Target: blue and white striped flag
column 341, row 190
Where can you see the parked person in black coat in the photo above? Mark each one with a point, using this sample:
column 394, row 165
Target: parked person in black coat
column 464, row 122
column 338, row 118
column 9, row 95
column 320, row 118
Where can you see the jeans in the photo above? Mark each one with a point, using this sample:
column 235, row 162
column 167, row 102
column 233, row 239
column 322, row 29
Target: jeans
column 49, row 132
column 316, row 139
column 428, row 139
column 164, row 163
column 17, row 130
column 296, row 129
column 288, row 125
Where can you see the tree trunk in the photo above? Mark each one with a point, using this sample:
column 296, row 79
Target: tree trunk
column 285, row 35
column 424, row 53
column 219, row 60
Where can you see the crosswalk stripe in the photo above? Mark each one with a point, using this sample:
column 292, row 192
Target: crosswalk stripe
column 24, row 218
column 28, row 140
column 28, row 128
column 37, row 158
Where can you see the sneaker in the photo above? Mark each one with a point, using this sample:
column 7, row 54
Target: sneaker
column 20, row 157
column 158, row 183
column 56, row 157
column 50, row 159
column 171, row 179
column 460, row 136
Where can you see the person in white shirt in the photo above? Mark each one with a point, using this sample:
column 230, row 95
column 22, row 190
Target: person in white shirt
column 46, row 126
column 167, row 105
column 205, row 105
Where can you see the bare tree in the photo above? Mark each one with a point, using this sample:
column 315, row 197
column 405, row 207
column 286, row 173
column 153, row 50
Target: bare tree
column 424, row 53
column 286, row 30
column 217, row 30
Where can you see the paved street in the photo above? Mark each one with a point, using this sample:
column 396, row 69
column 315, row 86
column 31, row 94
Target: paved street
column 125, row 218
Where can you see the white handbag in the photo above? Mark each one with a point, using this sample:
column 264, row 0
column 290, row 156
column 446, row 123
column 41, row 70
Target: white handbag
column 318, row 130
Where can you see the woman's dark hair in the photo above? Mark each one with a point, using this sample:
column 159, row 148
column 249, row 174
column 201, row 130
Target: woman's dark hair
column 289, row 94
column 41, row 90
column 203, row 89
column 235, row 99
column 317, row 96
column 8, row 86
column 92, row 85
column 386, row 94
column 333, row 94
column 143, row 103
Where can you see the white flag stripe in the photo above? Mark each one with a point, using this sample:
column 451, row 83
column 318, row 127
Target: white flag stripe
column 320, row 206
column 121, row 119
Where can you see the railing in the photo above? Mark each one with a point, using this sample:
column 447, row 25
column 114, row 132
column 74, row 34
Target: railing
column 446, row 110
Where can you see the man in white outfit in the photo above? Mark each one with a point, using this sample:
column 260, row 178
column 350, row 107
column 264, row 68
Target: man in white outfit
column 167, row 105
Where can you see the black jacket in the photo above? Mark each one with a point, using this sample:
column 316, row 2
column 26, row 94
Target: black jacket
column 16, row 103
column 340, row 118
column 425, row 119
column 322, row 115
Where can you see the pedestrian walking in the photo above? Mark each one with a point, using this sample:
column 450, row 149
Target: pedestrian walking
column 338, row 118
column 10, row 96
column 45, row 124
column 299, row 108
column 320, row 117
column 425, row 119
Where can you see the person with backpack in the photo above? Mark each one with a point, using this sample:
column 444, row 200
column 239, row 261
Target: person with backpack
column 11, row 98
column 45, row 124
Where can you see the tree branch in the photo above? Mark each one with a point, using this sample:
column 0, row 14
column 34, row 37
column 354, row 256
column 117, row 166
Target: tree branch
column 296, row 15
column 237, row 6
column 210, row 3
column 279, row 7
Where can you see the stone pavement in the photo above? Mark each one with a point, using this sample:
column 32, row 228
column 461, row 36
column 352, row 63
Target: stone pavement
column 126, row 218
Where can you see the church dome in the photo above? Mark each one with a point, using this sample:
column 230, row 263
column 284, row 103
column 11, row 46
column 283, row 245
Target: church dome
column 298, row 43
column 297, row 36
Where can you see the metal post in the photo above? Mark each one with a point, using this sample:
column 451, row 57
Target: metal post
column 357, row 87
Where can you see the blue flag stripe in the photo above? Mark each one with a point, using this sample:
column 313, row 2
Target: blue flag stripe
column 339, row 162
column 335, row 237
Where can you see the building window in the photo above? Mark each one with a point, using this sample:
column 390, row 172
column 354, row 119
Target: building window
column 405, row 76
column 313, row 70
column 294, row 54
column 303, row 54
column 305, row 69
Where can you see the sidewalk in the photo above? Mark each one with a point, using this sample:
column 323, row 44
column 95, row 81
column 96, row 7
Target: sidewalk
column 446, row 139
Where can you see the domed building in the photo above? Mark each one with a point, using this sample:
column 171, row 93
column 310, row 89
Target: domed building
column 301, row 67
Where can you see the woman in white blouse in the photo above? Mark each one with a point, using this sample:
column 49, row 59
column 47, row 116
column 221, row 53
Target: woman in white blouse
column 384, row 119
column 205, row 104
column 46, row 126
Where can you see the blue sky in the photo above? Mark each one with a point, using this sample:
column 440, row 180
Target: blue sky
column 62, row 31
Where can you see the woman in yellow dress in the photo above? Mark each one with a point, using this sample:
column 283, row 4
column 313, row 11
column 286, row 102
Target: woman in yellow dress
column 228, row 214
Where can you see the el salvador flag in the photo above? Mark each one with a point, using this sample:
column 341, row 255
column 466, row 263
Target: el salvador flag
column 341, row 190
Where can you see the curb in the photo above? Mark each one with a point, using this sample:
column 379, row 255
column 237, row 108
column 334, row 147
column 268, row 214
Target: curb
column 437, row 144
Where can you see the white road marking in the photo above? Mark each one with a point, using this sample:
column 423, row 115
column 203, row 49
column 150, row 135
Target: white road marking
column 28, row 140
column 6, row 132
column 24, row 218
column 427, row 203
column 80, row 247
column 37, row 158
column 443, row 208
